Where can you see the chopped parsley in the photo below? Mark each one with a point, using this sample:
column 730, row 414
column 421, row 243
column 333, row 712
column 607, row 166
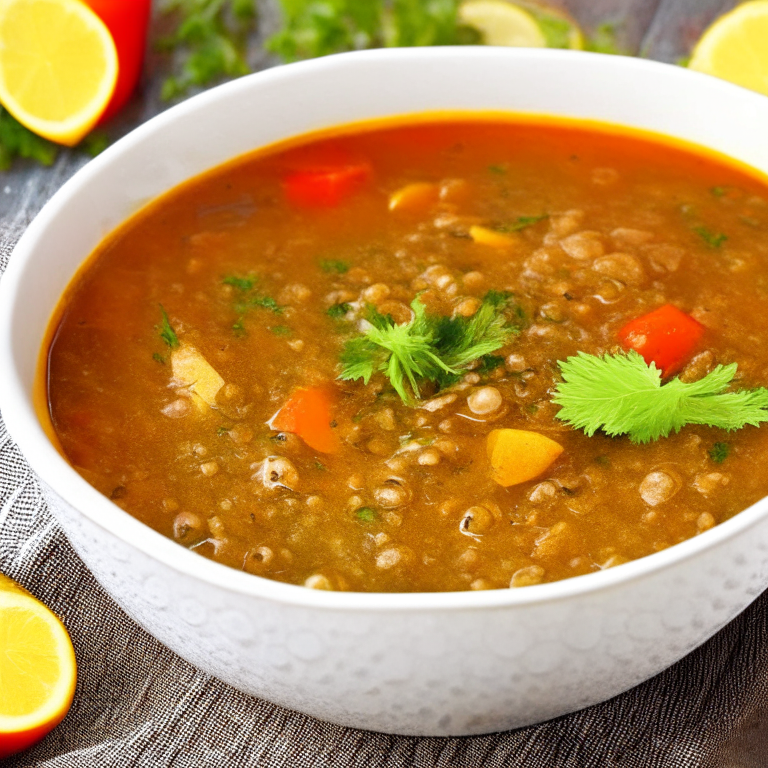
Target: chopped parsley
column 209, row 41
column 16, row 141
column 158, row 358
column 241, row 283
column 366, row 514
column 320, row 466
column 522, row 222
column 622, row 395
column 428, row 348
column 334, row 266
column 221, row 431
column 718, row 191
column 712, row 239
column 337, row 311
column 280, row 330
column 165, row 329
column 719, row 452
column 489, row 363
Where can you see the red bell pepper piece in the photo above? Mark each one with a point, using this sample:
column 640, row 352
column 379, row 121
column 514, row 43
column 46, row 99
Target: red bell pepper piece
column 127, row 21
column 325, row 187
column 667, row 337
column 308, row 413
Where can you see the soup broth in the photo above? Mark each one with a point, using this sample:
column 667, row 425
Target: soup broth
column 193, row 375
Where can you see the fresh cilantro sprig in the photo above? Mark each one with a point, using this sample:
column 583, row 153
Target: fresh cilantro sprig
column 622, row 395
column 428, row 348
column 210, row 40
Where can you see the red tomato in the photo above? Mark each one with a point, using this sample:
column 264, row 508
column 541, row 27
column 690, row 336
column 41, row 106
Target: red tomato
column 667, row 337
column 325, row 187
column 127, row 21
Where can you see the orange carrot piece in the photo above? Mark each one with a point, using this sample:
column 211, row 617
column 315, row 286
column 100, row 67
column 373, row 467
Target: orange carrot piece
column 308, row 413
column 517, row 455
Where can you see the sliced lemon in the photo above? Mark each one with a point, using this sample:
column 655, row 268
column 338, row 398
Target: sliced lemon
column 58, row 66
column 502, row 23
column 735, row 47
column 38, row 672
column 525, row 24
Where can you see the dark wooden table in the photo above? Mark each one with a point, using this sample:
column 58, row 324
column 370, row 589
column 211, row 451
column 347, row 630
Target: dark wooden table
column 657, row 29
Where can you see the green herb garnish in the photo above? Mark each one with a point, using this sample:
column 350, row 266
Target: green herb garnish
column 337, row 311
column 365, row 514
column 208, row 41
column 167, row 334
column 717, row 191
column 221, row 431
column 489, row 363
column 719, row 452
column 319, row 27
column 158, row 358
column 280, row 330
column 712, row 239
column 241, row 283
column 428, row 348
column 499, row 170
column 334, row 266
column 18, row 141
column 622, row 395
column 521, row 222
column 605, row 39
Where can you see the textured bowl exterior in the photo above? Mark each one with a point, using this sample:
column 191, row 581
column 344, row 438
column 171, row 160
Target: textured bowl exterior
column 421, row 664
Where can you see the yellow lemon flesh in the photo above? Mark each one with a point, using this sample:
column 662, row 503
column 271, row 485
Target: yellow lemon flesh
column 735, row 47
column 523, row 25
column 38, row 672
column 58, row 66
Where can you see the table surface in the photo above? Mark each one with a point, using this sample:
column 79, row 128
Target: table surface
column 658, row 29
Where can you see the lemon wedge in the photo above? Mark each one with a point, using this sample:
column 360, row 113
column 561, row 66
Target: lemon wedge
column 58, row 66
column 525, row 24
column 735, row 47
column 37, row 670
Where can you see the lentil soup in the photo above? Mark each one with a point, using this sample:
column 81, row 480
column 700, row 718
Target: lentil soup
column 335, row 362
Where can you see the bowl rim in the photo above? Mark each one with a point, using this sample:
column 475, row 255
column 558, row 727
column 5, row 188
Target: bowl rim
column 23, row 425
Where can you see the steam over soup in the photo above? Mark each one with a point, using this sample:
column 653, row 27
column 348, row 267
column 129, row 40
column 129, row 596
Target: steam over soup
column 471, row 353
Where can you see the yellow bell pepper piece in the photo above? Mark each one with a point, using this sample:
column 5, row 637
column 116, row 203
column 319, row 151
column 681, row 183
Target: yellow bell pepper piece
column 517, row 455
column 491, row 237
column 418, row 196
column 192, row 370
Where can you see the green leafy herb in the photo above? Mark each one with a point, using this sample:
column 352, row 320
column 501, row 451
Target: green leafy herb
column 366, row 514
column 241, row 283
column 319, row 27
column 621, row 394
column 556, row 30
column 221, row 431
column 429, row 347
column 94, row 143
column 712, row 239
column 18, row 141
column 280, row 330
column 719, row 452
column 334, row 266
column 167, row 334
column 489, row 363
column 320, row 466
column 158, row 358
column 209, row 41
column 718, row 191
column 337, row 311
column 605, row 40
column 499, row 170
column 521, row 222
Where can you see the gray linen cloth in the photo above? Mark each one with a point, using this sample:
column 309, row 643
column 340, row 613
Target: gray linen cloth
column 138, row 704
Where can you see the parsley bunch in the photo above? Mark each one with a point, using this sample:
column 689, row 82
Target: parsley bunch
column 622, row 395
column 211, row 37
column 428, row 348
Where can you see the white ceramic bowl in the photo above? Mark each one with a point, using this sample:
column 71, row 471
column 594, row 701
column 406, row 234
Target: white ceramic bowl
column 449, row 663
